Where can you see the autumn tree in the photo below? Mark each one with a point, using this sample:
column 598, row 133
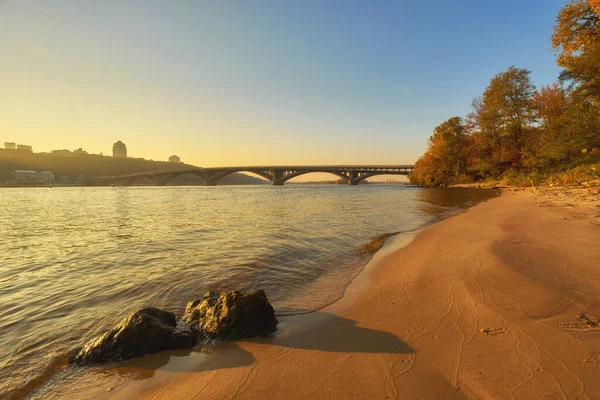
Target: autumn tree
column 474, row 116
column 500, row 121
column 444, row 162
column 576, row 42
column 584, row 122
column 553, row 140
column 514, row 127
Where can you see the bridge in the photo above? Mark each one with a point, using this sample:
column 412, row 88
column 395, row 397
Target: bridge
column 276, row 175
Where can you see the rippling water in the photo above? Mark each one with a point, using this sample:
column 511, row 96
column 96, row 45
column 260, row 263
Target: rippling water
column 74, row 261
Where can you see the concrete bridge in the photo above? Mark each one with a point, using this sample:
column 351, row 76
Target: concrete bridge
column 353, row 174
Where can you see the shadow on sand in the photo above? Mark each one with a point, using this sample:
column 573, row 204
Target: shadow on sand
column 316, row 331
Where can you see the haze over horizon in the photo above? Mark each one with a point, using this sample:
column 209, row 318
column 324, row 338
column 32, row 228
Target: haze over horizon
column 294, row 83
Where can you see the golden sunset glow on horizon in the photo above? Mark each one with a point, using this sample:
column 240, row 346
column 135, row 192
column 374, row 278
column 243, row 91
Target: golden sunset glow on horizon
column 212, row 84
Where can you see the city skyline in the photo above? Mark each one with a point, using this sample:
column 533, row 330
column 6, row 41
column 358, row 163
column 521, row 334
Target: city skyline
column 305, row 83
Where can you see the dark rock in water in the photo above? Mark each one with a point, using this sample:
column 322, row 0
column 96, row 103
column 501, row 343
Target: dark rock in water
column 232, row 315
column 145, row 331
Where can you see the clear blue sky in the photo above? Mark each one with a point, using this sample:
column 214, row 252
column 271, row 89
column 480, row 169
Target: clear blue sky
column 257, row 82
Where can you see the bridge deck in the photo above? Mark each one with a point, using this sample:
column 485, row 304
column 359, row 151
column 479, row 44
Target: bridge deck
column 276, row 174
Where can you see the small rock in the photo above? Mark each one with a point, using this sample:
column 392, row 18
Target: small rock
column 232, row 315
column 145, row 331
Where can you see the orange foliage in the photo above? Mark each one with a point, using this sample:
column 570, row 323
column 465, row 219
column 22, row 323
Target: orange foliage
column 595, row 4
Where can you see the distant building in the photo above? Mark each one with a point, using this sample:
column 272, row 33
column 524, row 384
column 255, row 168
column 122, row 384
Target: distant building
column 119, row 150
column 174, row 159
column 46, row 176
column 29, row 176
column 24, row 147
column 67, row 180
column 22, row 175
column 10, row 145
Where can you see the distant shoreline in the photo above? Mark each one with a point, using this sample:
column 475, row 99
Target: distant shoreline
column 14, row 186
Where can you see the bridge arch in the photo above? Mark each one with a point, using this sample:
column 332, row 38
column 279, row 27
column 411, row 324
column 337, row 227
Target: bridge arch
column 211, row 180
column 295, row 174
column 169, row 177
column 365, row 176
column 137, row 179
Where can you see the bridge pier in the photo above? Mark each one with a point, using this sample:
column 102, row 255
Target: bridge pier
column 209, row 180
column 353, row 178
column 277, row 176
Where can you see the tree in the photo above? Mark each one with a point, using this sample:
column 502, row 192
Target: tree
column 500, row 121
column 576, row 42
column 444, row 162
column 553, row 141
column 583, row 118
column 474, row 116
column 514, row 127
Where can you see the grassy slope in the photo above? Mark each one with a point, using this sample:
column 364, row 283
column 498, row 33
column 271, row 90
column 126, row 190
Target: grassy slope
column 576, row 173
column 583, row 172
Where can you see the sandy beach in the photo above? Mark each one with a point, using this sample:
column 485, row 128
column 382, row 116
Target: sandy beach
column 501, row 301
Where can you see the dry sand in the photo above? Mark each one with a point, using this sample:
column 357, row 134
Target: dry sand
column 498, row 302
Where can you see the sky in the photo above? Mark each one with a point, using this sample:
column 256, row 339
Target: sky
column 258, row 82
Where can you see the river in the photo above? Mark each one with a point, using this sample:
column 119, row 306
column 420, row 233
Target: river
column 74, row 261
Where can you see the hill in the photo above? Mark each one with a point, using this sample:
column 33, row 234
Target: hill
column 90, row 165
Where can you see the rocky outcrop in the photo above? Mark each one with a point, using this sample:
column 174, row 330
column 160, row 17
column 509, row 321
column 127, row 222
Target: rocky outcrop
column 222, row 316
column 232, row 315
column 145, row 331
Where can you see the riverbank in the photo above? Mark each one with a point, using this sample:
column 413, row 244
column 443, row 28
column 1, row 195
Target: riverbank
column 500, row 301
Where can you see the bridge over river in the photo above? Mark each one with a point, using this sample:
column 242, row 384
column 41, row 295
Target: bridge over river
column 278, row 175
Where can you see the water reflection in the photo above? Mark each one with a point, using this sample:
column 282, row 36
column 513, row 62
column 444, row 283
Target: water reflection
column 441, row 202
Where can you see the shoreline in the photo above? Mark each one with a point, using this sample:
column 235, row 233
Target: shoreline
column 407, row 327
column 400, row 324
column 161, row 368
column 328, row 288
column 376, row 248
column 391, row 242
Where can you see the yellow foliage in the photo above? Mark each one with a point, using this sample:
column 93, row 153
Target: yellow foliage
column 576, row 30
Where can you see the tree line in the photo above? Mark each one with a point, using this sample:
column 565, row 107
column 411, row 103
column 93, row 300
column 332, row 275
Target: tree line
column 515, row 128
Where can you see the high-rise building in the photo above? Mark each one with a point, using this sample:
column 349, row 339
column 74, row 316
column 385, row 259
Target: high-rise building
column 10, row 145
column 24, row 147
column 119, row 150
column 174, row 159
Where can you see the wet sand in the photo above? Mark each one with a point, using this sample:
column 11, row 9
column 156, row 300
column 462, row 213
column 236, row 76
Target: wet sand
column 498, row 302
